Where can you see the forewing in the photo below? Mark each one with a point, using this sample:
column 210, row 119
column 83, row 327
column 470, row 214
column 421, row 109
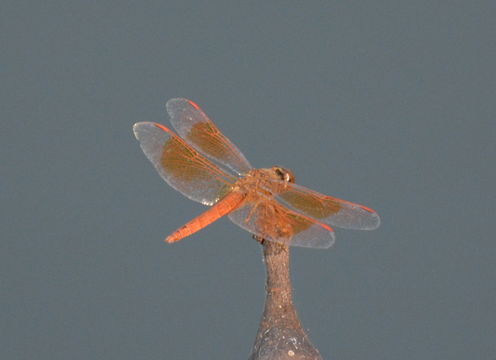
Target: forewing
column 193, row 125
column 181, row 166
column 327, row 209
column 274, row 222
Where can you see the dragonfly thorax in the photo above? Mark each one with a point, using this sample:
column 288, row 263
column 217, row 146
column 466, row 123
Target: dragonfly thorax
column 266, row 176
column 268, row 181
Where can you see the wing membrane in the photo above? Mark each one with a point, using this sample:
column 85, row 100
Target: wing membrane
column 327, row 209
column 194, row 126
column 274, row 222
column 181, row 166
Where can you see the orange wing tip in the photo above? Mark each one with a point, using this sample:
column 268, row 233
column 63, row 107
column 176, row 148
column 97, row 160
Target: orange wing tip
column 374, row 216
column 372, row 211
column 140, row 127
column 327, row 227
column 173, row 103
column 195, row 105
column 162, row 127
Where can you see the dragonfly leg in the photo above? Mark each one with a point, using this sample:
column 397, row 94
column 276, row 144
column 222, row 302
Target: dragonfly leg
column 258, row 238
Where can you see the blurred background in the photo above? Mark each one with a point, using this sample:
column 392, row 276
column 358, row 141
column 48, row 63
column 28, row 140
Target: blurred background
column 389, row 103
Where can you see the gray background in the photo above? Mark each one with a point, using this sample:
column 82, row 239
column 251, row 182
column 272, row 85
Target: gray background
column 390, row 104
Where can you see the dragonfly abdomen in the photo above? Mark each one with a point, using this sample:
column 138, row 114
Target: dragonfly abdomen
column 223, row 207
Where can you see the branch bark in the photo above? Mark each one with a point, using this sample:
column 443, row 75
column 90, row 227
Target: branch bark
column 280, row 334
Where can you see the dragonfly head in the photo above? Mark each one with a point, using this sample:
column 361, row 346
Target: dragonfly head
column 283, row 174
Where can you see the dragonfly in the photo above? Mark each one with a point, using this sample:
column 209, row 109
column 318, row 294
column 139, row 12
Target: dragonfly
column 204, row 165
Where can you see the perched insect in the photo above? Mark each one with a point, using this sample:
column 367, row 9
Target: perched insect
column 205, row 166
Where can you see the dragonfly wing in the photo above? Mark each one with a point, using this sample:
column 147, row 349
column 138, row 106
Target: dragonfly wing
column 181, row 166
column 327, row 209
column 274, row 222
column 194, row 126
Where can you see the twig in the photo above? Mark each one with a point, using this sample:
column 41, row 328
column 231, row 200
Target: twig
column 280, row 334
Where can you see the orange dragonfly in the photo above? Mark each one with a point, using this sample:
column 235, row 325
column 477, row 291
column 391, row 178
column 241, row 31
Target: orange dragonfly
column 204, row 165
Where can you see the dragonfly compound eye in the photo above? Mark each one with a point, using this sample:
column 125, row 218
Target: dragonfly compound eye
column 284, row 174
